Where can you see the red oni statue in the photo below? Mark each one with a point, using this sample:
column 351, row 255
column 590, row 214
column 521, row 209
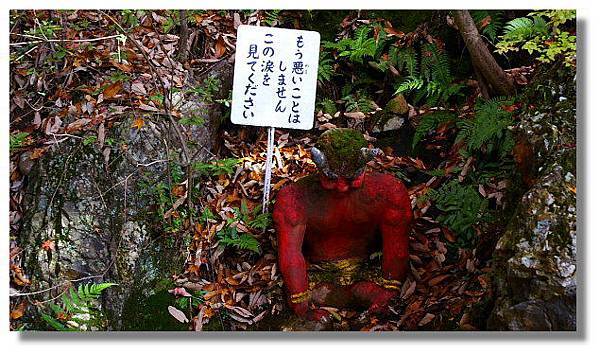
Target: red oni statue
column 328, row 225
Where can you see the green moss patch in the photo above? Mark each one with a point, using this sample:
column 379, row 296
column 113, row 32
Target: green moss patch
column 342, row 147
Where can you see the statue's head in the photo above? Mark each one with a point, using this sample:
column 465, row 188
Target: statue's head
column 341, row 154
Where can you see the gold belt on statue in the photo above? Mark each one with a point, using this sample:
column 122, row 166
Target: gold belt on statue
column 348, row 271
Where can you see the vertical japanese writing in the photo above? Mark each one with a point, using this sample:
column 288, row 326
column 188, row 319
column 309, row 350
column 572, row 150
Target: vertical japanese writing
column 267, row 65
column 298, row 70
column 250, row 91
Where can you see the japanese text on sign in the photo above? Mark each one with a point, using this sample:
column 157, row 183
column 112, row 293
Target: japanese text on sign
column 275, row 77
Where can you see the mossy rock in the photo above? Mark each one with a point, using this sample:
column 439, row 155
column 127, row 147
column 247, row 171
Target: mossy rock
column 397, row 105
column 535, row 260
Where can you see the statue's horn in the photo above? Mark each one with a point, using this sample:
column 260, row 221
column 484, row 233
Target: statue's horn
column 321, row 161
column 370, row 153
column 319, row 158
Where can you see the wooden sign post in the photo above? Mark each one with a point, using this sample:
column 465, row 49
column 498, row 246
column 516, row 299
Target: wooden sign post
column 274, row 83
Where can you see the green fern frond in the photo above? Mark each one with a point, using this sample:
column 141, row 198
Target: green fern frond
column 54, row 323
column 489, row 126
column 218, row 167
column 328, row 106
column 405, row 58
column 272, row 17
column 358, row 48
column 262, row 221
column 410, row 84
column 326, row 70
column 76, row 301
column 462, row 208
column 434, row 65
column 229, row 236
column 358, row 101
column 523, row 28
column 492, row 29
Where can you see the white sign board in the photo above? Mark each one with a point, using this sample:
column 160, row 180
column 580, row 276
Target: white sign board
column 275, row 77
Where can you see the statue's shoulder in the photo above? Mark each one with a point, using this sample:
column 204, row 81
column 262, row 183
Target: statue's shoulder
column 385, row 188
column 299, row 189
column 291, row 201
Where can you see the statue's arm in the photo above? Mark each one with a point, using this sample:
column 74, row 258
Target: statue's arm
column 395, row 226
column 290, row 224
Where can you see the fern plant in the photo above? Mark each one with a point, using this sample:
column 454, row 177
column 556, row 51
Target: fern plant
column 489, row 22
column 357, row 49
column 326, row 70
column 229, row 236
column 328, row 106
column 77, row 310
column 430, row 79
column 462, row 208
column 216, row 168
column 253, row 219
column 272, row 17
column 487, row 130
column 358, row 102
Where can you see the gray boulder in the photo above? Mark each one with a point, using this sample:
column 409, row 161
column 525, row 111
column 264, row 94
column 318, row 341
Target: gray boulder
column 535, row 261
column 536, row 258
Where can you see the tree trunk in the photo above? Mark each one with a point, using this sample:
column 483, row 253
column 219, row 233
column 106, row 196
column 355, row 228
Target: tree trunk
column 482, row 59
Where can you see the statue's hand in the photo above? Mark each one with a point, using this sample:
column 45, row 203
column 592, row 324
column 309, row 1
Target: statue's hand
column 382, row 300
column 314, row 314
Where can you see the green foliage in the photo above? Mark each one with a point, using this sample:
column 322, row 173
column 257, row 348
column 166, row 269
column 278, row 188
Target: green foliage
column 272, row 17
column 177, row 174
column 225, row 102
column 358, row 101
column 253, row 219
column 327, row 106
column 524, row 28
column 46, row 29
column 192, row 121
column 488, row 129
column 207, row 215
column 192, row 301
column 491, row 20
column 129, row 18
column 543, row 33
column 405, row 59
column 77, row 306
column 119, row 76
column 207, row 91
column 89, row 140
column 171, row 21
column 230, row 237
column 356, row 49
column 410, row 84
column 17, row 140
column 431, row 121
column 326, row 70
column 215, row 168
column 462, row 207
column 261, row 221
column 161, row 193
column 430, row 79
column 58, row 54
